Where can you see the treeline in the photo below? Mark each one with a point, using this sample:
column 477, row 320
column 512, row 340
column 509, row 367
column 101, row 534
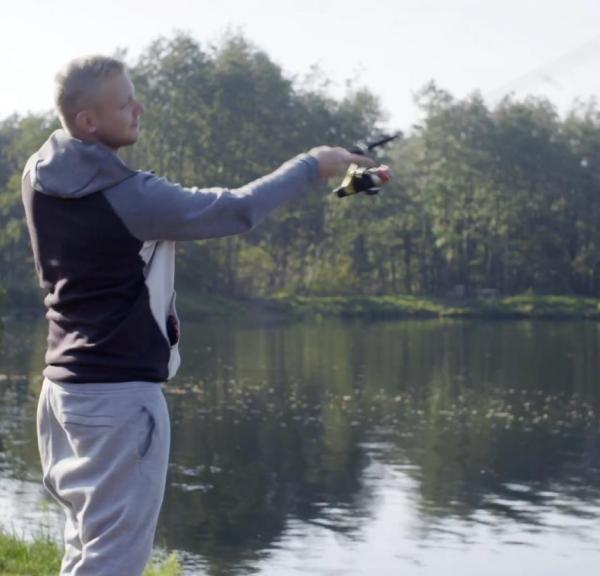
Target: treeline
column 505, row 198
column 502, row 199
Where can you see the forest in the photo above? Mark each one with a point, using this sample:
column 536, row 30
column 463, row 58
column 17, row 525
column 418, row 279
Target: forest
column 500, row 199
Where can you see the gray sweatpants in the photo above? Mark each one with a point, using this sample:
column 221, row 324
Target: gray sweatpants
column 104, row 450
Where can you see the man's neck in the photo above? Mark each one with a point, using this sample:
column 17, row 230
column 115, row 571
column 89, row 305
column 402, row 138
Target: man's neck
column 91, row 139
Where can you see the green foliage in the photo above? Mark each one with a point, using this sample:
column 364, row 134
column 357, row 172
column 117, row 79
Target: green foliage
column 39, row 558
column 406, row 306
column 501, row 199
column 42, row 557
column 19, row 138
column 233, row 117
column 169, row 567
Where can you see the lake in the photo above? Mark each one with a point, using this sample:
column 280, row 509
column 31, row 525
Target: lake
column 353, row 447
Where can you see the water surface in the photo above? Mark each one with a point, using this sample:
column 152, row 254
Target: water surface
column 355, row 448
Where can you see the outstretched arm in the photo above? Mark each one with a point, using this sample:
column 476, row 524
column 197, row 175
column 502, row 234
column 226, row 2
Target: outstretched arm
column 153, row 208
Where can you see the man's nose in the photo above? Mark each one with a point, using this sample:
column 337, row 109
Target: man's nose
column 139, row 109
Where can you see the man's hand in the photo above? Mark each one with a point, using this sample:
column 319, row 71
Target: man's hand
column 335, row 161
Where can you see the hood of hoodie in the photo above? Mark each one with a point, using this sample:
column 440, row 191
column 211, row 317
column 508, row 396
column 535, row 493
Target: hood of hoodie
column 71, row 168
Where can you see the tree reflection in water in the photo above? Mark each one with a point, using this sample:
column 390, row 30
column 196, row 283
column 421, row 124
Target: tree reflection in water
column 496, row 424
column 487, row 418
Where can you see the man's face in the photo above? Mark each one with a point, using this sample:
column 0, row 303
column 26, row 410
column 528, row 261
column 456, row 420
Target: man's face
column 116, row 113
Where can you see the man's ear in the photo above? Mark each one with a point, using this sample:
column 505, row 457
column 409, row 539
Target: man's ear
column 85, row 122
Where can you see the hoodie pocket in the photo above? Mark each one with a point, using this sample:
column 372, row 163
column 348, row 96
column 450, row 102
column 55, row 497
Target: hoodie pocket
column 146, row 432
column 87, row 433
column 88, row 420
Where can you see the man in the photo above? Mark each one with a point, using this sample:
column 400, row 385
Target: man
column 103, row 241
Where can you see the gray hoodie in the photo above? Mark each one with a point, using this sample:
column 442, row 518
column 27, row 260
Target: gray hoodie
column 103, row 238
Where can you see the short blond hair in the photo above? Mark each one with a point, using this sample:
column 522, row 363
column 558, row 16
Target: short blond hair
column 78, row 80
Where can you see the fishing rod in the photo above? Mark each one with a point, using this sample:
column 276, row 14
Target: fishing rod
column 368, row 180
column 362, row 149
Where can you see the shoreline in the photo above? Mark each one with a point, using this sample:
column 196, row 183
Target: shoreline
column 523, row 307
column 295, row 308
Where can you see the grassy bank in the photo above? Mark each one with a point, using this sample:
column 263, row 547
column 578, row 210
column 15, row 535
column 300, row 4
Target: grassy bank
column 192, row 305
column 390, row 307
column 42, row 558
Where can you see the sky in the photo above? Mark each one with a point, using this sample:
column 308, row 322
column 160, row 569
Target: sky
column 392, row 47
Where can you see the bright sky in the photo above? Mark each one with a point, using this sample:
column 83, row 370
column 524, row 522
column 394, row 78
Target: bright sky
column 393, row 47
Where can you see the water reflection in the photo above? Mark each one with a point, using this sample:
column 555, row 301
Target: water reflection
column 319, row 446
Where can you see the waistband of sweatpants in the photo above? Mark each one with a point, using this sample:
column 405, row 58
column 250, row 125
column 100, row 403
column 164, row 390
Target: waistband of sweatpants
column 105, row 387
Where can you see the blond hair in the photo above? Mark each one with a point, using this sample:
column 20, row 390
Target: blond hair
column 77, row 82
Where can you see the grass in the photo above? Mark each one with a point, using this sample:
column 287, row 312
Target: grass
column 199, row 305
column 19, row 557
column 374, row 307
column 168, row 567
column 42, row 558
column 391, row 307
column 193, row 305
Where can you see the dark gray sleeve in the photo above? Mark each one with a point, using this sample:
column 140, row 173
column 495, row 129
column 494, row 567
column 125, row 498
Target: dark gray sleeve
column 153, row 208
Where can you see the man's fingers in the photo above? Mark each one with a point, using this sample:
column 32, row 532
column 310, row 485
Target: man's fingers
column 362, row 160
column 335, row 161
